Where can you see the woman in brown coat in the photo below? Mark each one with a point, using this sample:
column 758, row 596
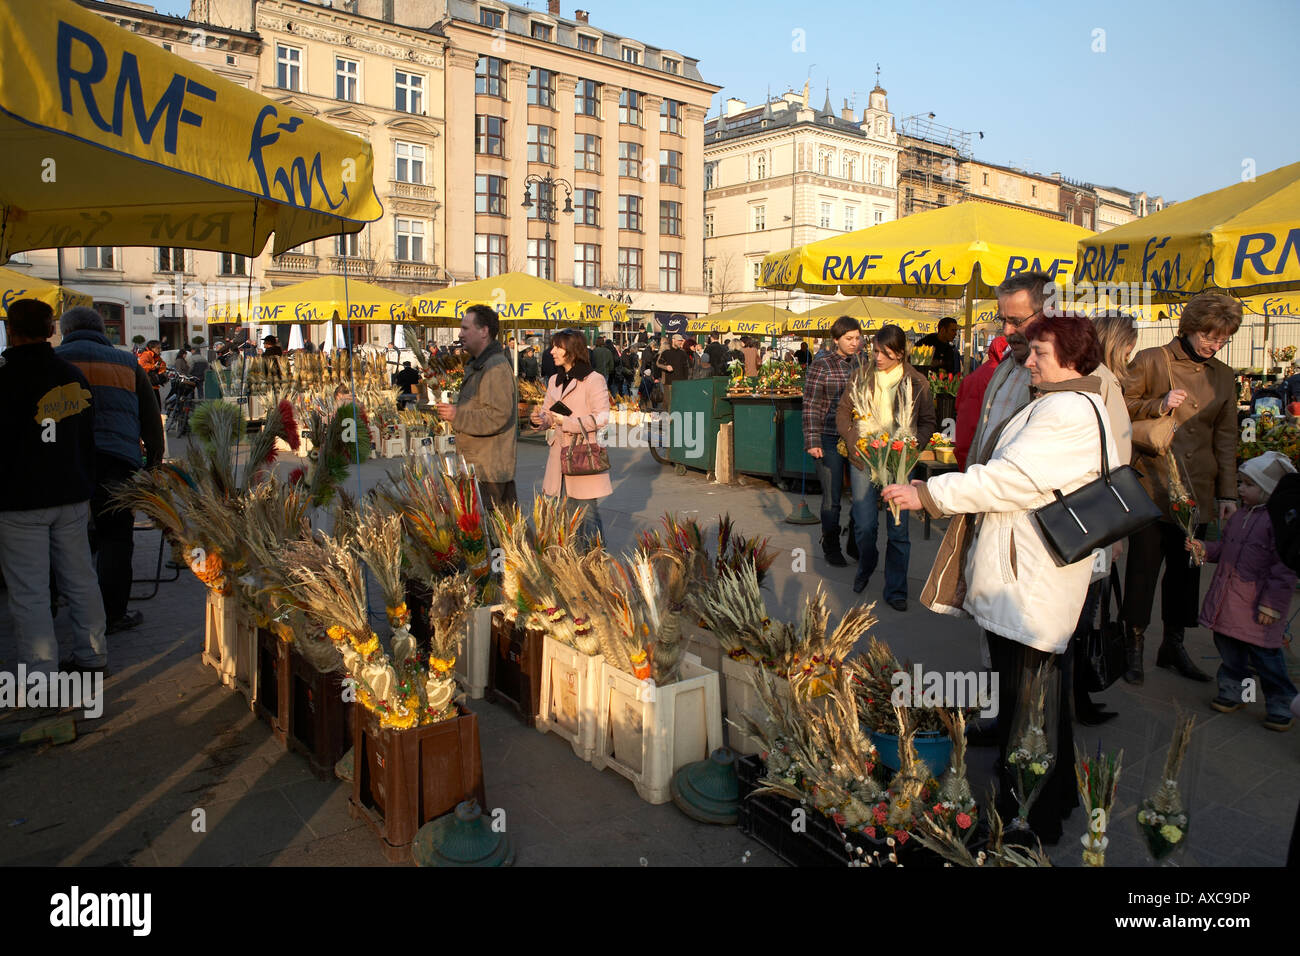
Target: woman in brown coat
column 1182, row 379
column 886, row 376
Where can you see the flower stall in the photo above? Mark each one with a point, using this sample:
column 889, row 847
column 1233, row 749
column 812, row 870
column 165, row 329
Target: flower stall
column 768, row 423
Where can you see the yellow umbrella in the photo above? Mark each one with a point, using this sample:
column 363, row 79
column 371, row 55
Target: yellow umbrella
column 946, row 253
column 872, row 314
column 522, row 302
column 1244, row 240
column 14, row 286
column 110, row 140
column 315, row 301
column 753, row 319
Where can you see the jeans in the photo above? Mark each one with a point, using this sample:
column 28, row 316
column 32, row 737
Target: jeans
column 866, row 516
column 28, row 542
column 114, row 535
column 591, row 523
column 1270, row 664
column 830, row 475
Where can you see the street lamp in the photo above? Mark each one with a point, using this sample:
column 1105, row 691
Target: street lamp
column 546, row 198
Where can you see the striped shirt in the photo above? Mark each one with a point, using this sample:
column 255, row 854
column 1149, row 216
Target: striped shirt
column 827, row 378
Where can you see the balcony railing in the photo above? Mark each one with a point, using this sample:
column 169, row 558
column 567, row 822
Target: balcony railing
column 400, row 269
column 400, row 190
column 356, row 266
column 295, row 262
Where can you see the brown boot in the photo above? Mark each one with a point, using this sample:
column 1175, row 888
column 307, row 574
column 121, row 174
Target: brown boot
column 1135, row 638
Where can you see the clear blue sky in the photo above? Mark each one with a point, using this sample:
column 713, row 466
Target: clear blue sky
column 1185, row 92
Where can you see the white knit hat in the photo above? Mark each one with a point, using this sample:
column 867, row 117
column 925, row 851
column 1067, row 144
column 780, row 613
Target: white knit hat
column 1267, row 470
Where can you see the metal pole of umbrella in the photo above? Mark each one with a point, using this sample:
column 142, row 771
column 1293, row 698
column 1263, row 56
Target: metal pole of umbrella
column 802, row 514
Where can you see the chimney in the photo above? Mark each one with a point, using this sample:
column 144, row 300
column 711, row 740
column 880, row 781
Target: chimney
column 553, row 7
column 845, row 112
column 580, row 16
column 735, row 106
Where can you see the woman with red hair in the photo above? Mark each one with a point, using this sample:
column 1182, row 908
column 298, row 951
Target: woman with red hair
column 1008, row 581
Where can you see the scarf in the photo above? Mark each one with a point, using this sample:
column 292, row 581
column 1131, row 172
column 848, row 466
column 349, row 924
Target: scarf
column 886, row 385
column 579, row 371
column 1191, row 352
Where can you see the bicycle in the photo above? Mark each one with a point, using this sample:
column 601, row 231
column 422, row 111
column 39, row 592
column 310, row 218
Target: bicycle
column 180, row 403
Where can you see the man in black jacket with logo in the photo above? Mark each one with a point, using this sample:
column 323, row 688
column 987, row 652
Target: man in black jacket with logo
column 46, row 480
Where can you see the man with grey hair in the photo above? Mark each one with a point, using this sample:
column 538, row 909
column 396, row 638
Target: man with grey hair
column 1020, row 300
column 126, row 413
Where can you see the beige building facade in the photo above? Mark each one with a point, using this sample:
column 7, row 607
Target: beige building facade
column 783, row 174
column 1015, row 188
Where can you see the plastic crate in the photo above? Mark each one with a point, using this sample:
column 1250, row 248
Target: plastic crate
column 230, row 644
column 402, row 779
column 472, row 661
column 741, row 698
column 648, row 733
column 515, row 667
column 570, row 696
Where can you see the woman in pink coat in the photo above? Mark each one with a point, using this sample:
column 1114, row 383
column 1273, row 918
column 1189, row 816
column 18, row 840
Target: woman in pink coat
column 587, row 396
column 1249, row 599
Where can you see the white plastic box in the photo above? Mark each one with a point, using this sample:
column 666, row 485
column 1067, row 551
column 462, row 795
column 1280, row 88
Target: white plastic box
column 230, row 644
column 570, row 695
column 648, row 733
column 471, row 668
column 741, row 698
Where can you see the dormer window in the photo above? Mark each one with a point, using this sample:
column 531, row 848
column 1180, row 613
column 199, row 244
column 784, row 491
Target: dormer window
column 493, row 19
column 671, row 65
column 541, row 31
column 631, row 55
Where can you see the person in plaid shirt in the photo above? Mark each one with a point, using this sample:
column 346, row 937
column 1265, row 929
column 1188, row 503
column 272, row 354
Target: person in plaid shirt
column 825, row 383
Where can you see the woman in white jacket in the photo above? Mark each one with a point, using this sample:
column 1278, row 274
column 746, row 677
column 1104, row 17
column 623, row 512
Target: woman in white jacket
column 1027, row 605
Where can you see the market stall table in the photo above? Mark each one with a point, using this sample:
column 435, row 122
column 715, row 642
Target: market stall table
column 769, row 438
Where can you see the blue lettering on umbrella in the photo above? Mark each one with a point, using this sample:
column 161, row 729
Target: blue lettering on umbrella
column 1266, row 241
column 297, row 178
column 925, row 273
column 356, row 310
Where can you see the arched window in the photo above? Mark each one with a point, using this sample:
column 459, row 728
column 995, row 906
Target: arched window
column 824, row 164
column 760, row 166
column 849, row 168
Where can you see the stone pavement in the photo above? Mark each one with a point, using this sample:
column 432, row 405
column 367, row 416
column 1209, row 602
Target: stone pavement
column 172, row 740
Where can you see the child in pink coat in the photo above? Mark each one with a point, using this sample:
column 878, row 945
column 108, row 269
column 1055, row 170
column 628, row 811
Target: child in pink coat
column 1250, row 595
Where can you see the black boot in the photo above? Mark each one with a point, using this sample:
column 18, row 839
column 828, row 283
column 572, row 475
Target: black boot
column 1173, row 655
column 1135, row 638
column 831, row 549
column 851, row 549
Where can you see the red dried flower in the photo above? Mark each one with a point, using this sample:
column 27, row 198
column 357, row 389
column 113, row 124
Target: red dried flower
column 897, row 446
column 901, row 836
column 870, row 831
column 291, row 435
column 297, row 475
column 963, row 820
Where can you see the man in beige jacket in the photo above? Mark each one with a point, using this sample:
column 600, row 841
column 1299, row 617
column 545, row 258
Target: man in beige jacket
column 486, row 414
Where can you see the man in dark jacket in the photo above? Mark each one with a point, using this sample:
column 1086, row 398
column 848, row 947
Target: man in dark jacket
column 407, row 380
column 47, row 477
column 945, row 353
column 718, row 358
column 602, row 360
column 124, row 414
column 529, row 370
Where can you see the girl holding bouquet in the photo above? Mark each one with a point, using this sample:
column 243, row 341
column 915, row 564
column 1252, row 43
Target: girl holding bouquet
column 886, row 396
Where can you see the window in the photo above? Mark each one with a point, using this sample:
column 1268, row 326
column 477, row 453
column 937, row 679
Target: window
column 541, row 31
column 1087, row 219
column 848, row 168
column 670, row 271
column 491, row 18
column 631, row 56
column 346, row 76
column 409, row 92
column 588, row 44
column 288, row 67
column 1033, row 191
column 490, row 77
column 670, row 218
column 586, row 264
column 824, row 216
column 490, row 195
column 942, row 200
column 758, row 269
column 708, row 225
column 629, row 160
column 629, row 213
column 671, row 66
column 586, row 207
column 824, row 164
column 710, row 175
column 541, row 88
column 233, row 264
column 629, row 108
column 410, row 163
column 543, row 207
column 586, row 100
column 760, row 166
column 760, row 218
column 489, row 255
column 586, row 152
column 879, row 216
column 986, row 179
column 670, row 167
column 348, row 244
column 850, row 218
column 1069, row 214
column 629, row 268
column 97, row 257
column 541, row 144
column 708, row 276
column 171, row 260
column 541, row 258
column 670, row 117
column 410, row 240
column 909, row 197
column 489, row 135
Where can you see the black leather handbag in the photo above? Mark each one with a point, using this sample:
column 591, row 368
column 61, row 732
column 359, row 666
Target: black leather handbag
column 1097, row 515
column 1105, row 643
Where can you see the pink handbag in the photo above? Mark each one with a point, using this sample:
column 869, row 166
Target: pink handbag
column 584, row 456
